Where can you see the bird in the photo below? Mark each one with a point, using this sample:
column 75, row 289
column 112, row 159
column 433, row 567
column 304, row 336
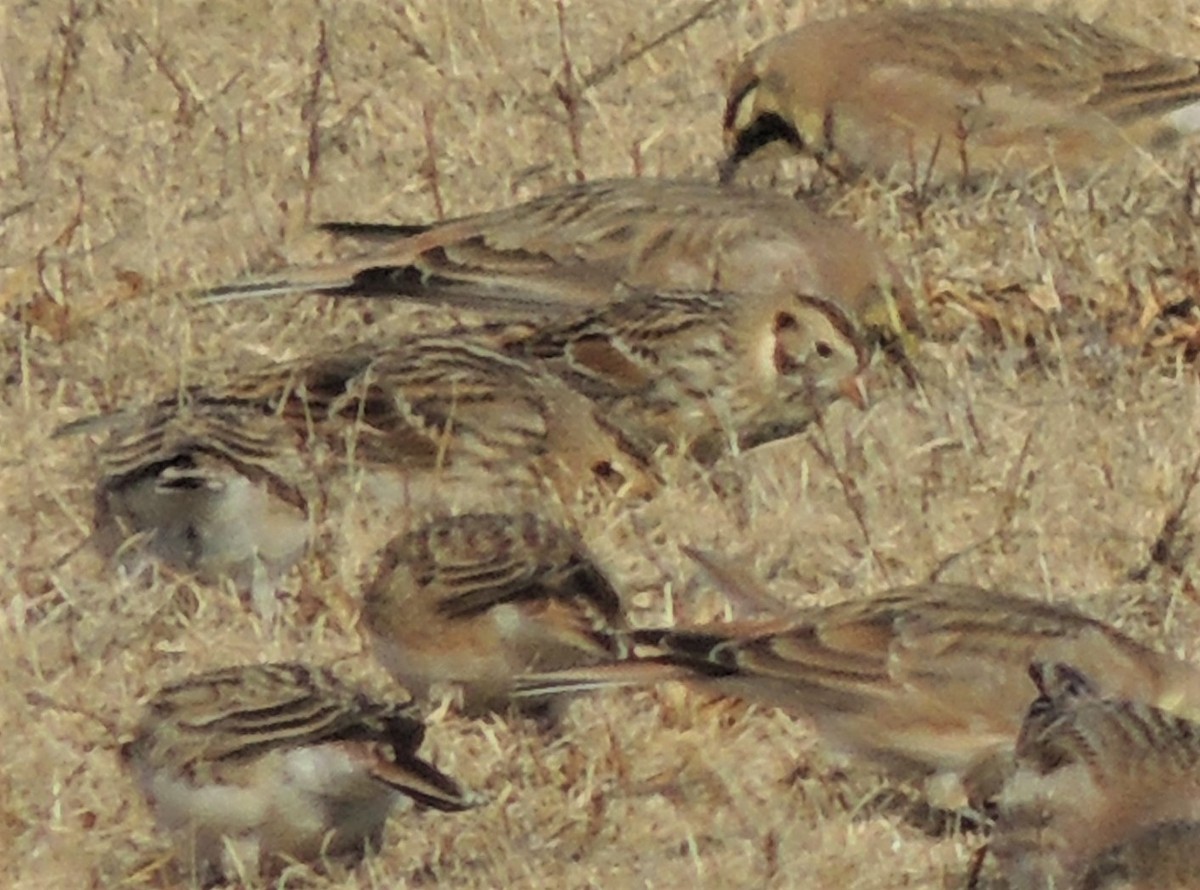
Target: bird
column 925, row 683
column 476, row 599
column 207, row 487
column 218, row 477
column 587, row 244
column 1162, row 857
column 246, row 764
column 1105, row 791
column 945, row 93
column 712, row 371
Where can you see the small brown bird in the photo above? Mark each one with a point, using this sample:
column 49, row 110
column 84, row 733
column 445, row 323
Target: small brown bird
column 711, row 371
column 1106, row 792
column 927, row 682
column 207, row 487
column 253, row 762
column 587, row 244
column 479, row 598
column 1165, row 856
column 434, row 403
column 224, row 477
column 951, row 93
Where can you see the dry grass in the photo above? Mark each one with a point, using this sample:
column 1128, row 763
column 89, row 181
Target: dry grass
column 146, row 149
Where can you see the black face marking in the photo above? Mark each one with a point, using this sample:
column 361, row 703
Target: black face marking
column 785, row 321
column 765, row 129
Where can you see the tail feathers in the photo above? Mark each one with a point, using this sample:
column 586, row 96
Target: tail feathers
column 373, row 231
column 404, row 281
column 321, row 279
column 634, row 672
column 424, row 783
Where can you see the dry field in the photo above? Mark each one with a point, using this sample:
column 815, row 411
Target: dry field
column 150, row 148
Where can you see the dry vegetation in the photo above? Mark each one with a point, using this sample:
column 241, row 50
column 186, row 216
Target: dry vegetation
column 148, row 148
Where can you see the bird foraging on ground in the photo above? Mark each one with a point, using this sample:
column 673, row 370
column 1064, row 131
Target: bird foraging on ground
column 588, row 244
column 224, row 479
column 1105, row 793
column 951, row 94
column 928, row 683
column 476, row 599
column 246, row 764
column 711, row 372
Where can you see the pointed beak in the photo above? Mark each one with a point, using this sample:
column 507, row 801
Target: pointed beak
column 854, row 389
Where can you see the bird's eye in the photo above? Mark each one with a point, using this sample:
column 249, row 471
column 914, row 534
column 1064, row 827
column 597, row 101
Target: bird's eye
column 785, row 321
column 824, row 350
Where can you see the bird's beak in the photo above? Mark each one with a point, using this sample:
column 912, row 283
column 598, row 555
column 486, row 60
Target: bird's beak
column 854, row 388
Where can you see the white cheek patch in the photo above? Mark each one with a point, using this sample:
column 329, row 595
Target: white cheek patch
column 745, row 110
column 764, row 357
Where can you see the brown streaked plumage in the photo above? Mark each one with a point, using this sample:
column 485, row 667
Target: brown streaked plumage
column 210, row 476
column 206, row 487
column 588, row 244
column 278, row 760
column 1106, row 792
column 927, row 682
column 479, row 598
column 430, row 403
column 958, row 92
column 710, row 371
column 1165, row 856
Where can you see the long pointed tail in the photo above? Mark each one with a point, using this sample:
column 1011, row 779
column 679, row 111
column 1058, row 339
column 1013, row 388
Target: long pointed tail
column 332, row 279
column 634, row 672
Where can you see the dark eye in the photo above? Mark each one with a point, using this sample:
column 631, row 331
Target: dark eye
column 824, row 350
column 785, row 321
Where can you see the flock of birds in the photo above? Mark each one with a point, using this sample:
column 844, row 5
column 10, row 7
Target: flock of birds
column 629, row 319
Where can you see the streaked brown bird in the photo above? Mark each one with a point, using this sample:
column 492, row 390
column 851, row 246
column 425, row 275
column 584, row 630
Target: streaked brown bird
column 476, row 599
column 953, row 93
column 711, row 372
column 205, row 486
column 928, row 683
column 246, row 764
column 590, row 243
column 1106, row 792
column 221, row 480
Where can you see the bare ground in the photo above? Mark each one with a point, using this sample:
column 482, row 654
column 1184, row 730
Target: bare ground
column 148, row 149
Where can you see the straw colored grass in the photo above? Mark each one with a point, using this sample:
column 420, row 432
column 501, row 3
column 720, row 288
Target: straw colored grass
column 147, row 149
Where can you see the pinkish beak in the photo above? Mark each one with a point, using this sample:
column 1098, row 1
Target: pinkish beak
column 854, row 388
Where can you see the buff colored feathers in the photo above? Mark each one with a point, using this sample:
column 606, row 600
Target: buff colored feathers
column 588, row 244
column 261, row 761
column 1106, row 792
column 714, row 372
column 927, row 682
column 953, row 93
column 477, row 599
column 221, row 480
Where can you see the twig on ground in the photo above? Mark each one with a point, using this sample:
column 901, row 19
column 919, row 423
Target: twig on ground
column 310, row 114
column 568, row 92
column 429, row 169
